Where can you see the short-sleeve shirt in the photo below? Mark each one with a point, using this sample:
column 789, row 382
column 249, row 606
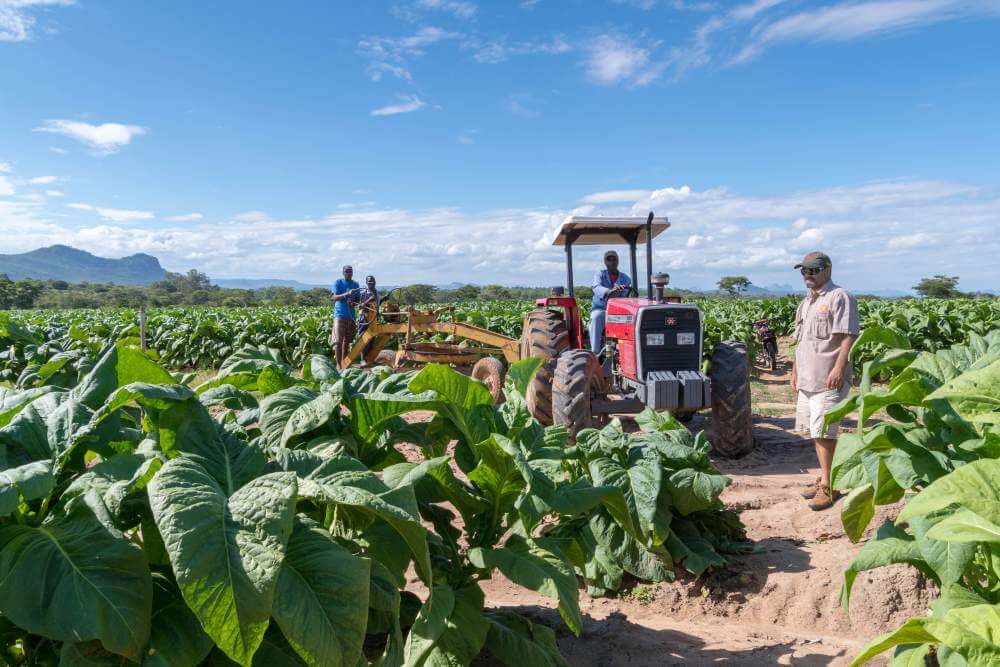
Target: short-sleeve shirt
column 345, row 307
column 823, row 313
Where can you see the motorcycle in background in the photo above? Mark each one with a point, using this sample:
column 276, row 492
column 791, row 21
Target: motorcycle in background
column 767, row 345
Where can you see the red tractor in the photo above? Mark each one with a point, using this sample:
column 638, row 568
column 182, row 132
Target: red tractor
column 652, row 351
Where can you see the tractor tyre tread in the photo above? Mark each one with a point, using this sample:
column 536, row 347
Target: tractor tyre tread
column 491, row 372
column 578, row 375
column 545, row 336
column 732, row 423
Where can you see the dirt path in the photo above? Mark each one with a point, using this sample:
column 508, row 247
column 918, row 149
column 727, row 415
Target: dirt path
column 777, row 605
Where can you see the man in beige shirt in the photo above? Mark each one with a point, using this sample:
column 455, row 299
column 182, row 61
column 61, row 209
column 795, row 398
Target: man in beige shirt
column 826, row 325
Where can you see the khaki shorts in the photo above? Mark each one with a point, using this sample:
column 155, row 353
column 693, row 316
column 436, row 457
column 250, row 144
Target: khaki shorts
column 343, row 330
column 811, row 408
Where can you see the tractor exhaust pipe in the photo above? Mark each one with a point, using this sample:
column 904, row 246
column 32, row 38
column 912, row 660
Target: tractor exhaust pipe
column 659, row 281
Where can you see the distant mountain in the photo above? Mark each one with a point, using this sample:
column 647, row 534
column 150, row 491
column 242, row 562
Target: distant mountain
column 259, row 283
column 61, row 262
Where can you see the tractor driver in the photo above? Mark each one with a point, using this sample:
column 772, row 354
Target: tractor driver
column 608, row 283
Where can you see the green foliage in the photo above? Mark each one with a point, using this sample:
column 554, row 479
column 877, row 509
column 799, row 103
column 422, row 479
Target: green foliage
column 735, row 285
column 938, row 287
column 135, row 525
column 941, row 452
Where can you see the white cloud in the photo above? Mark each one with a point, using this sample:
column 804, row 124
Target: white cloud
column 390, row 55
column 114, row 214
column 614, row 196
column 498, row 49
column 54, row 193
column 459, row 8
column 4, row 167
column 42, row 180
column 188, row 217
column 467, row 137
column 908, row 241
column 17, row 20
column 406, row 104
column 847, row 21
column 522, row 104
column 102, row 139
column 252, row 216
column 58, row 151
column 714, row 232
column 6, row 187
column 613, row 59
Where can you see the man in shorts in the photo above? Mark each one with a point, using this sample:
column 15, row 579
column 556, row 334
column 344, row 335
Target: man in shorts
column 826, row 325
column 345, row 297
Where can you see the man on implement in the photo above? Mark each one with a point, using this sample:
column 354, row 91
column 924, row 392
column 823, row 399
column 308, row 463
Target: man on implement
column 345, row 297
column 826, row 325
column 608, row 283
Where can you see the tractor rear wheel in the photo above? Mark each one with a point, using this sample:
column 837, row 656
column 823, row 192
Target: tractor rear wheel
column 544, row 335
column 731, row 420
column 578, row 380
column 491, row 372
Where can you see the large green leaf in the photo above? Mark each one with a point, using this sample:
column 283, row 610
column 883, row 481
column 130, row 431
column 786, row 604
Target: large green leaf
column 911, row 632
column 96, row 584
column 122, row 364
column 692, row 490
column 30, row 481
column 226, row 552
column 890, row 545
column 638, row 478
column 527, row 563
column 450, row 629
column 974, row 393
column 321, row 603
column 434, row 481
column 346, row 482
column 177, row 637
column 948, row 560
column 518, row 642
column 857, row 511
column 369, row 411
column 975, row 486
column 294, row 412
column 12, row 401
column 965, row 526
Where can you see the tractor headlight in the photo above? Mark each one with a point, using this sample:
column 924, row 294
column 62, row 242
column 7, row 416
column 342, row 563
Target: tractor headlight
column 654, row 339
column 685, row 338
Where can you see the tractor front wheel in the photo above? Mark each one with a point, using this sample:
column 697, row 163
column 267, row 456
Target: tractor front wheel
column 731, row 420
column 545, row 336
column 578, row 380
column 491, row 372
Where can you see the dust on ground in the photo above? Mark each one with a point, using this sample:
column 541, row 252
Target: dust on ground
column 779, row 604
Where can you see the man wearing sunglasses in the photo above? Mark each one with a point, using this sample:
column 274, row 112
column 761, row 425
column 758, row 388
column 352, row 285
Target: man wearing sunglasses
column 826, row 325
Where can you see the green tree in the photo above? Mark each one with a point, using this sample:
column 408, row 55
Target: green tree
column 414, row 294
column 938, row 287
column 466, row 293
column 735, row 285
column 494, row 293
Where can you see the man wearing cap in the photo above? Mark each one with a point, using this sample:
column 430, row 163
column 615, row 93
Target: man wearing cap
column 345, row 296
column 826, row 325
column 608, row 283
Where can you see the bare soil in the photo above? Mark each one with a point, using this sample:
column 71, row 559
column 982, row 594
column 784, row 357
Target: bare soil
column 779, row 604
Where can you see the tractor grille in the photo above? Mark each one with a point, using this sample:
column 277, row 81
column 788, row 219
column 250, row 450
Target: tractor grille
column 670, row 356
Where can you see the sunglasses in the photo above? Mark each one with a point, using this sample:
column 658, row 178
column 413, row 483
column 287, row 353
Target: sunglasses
column 811, row 272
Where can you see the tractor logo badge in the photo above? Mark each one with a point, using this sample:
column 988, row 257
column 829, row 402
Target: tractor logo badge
column 671, row 321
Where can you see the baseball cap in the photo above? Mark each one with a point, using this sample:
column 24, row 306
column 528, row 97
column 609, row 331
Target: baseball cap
column 815, row 260
column 347, row 267
column 611, row 253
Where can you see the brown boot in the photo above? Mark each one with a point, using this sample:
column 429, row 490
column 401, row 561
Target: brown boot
column 824, row 498
column 810, row 492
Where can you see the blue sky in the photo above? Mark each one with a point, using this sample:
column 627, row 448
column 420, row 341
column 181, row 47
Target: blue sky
column 442, row 140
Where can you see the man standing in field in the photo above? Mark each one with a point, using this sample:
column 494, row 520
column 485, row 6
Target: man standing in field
column 345, row 296
column 826, row 325
column 608, row 283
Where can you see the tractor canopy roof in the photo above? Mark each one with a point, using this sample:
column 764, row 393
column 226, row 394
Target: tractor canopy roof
column 604, row 231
